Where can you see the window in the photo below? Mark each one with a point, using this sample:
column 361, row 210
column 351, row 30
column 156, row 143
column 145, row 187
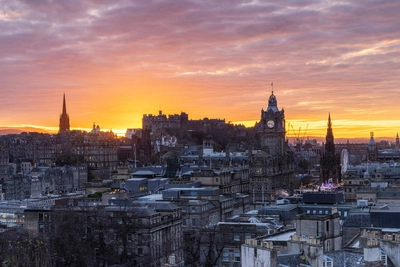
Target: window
column 184, row 222
column 193, row 222
column 225, row 256
column 236, row 238
column 44, row 217
column 327, row 226
column 237, row 256
column 139, row 239
column 193, row 209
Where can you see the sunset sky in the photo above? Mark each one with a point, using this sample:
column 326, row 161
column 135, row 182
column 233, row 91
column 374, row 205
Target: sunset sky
column 118, row 60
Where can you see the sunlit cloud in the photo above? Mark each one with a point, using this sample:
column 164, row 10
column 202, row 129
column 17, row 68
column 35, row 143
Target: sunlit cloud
column 117, row 61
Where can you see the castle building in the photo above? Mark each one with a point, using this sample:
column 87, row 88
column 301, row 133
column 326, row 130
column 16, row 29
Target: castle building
column 330, row 160
column 64, row 118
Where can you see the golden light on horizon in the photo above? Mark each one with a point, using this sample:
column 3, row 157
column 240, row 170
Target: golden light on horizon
column 116, row 62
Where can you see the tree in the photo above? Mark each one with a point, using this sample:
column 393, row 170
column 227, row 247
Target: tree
column 304, row 164
column 19, row 248
column 205, row 246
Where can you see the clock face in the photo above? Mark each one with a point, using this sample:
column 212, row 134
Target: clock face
column 270, row 124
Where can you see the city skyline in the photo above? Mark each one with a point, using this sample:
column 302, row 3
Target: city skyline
column 116, row 62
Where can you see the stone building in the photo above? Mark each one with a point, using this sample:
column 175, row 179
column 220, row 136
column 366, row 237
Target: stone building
column 16, row 187
column 372, row 181
column 325, row 228
column 272, row 167
column 140, row 234
column 4, row 159
column 228, row 179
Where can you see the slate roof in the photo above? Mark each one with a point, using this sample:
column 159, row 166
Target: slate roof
column 388, row 194
column 385, row 208
column 158, row 205
column 346, row 258
column 358, row 218
column 141, row 211
column 291, row 260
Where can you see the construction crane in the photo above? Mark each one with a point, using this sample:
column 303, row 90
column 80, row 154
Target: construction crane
column 305, row 131
column 291, row 126
column 298, row 137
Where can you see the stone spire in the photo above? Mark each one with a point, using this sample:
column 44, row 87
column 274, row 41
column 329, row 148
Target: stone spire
column 330, row 143
column 330, row 160
column 64, row 118
column 64, row 106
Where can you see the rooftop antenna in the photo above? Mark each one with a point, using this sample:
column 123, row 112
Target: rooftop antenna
column 272, row 87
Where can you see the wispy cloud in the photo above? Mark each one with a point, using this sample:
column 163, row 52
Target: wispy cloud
column 118, row 60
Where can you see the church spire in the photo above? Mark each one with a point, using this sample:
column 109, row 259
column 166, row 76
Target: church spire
column 329, row 121
column 64, row 106
column 64, row 118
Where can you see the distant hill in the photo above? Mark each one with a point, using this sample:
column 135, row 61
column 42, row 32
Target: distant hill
column 18, row 130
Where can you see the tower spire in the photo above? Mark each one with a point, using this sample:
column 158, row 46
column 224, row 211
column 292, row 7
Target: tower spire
column 64, row 111
column 64, row 117
column 329, row 146
column 329, row 121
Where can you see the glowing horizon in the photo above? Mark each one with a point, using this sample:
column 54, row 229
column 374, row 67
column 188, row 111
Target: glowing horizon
column 294, row 129
column 116, row 62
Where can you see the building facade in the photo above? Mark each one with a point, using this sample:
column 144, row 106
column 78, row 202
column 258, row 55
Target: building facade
column 272, row 167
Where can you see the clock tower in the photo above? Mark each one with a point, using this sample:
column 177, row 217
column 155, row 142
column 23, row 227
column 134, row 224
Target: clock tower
column 272, row 128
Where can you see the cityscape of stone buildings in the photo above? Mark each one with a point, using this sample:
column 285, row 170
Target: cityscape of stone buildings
column 182, row 192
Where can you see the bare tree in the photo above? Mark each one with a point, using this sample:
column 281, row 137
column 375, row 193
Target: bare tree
column 19, row 248
column 205, row 246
